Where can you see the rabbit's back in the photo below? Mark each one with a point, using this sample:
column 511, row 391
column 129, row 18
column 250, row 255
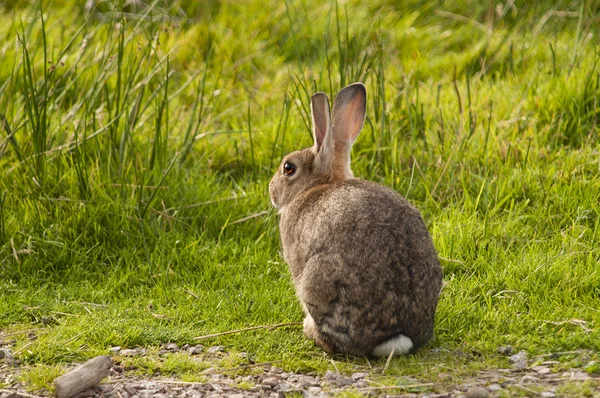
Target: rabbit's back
column 363, row 263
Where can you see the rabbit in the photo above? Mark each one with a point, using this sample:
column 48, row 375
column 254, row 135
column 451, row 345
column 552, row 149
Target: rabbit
column 363, row 264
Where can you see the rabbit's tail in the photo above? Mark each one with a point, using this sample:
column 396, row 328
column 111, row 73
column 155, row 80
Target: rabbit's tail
column 399, row 345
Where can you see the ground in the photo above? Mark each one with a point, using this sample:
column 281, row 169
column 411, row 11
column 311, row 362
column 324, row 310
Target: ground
column 137, row 140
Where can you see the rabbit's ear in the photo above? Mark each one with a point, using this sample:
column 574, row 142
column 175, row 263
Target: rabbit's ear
column 322, row 133
column 319, row 105
column 349, row 110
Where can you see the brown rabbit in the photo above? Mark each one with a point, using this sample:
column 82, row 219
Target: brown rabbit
column 362, row 261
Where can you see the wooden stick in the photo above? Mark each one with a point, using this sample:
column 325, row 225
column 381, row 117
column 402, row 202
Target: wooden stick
column 268, row 327
column 22, row 348
column 366, row 389
column 19, row 394
column 18, row 333
column 83, row 377
column 387, row 363
column 253, row 365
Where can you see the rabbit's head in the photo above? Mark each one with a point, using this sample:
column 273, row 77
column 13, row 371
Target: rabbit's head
column 328, row 160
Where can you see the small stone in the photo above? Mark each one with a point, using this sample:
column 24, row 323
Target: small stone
column 495, row 387
column 172, row 347
column 215, row 349
column 271, row 381
column 344, row 381
column 314, row 390
column 115, row 349
column 477, row 392
column 519, row 360
column 550, row 363
column 192, row 393
column 359, row 375
column 331, row 376
column 233, row 396
column 459, row 353
column 548, row 394
column 308, row 381
column 194, row 350
column 580, row 375
column 444, row 377
column 129, row 352
column 529, row 379
column 282, row 387
column 506, row 350
column 130, row 388
column 542, row 370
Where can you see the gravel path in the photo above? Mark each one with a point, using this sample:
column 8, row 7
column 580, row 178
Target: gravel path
column 541, row 380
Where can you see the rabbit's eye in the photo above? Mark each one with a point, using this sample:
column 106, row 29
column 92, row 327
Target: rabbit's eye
column 289, row 169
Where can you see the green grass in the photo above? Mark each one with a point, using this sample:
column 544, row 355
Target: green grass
column 136, row 148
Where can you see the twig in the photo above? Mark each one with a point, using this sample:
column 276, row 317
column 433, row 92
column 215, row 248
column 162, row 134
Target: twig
column 18, row 333
column 268, row 327
column 22, row 348
column 208, row 202
column 406, row 387
column 253, row 365
column 334, row 365
column 191, row 293
column 556, row 354
column 12, row 244
column 529, row 390
column 462, row 18
column 250, row 217
column 450, row 260
column 19, row 394
column 387, row 363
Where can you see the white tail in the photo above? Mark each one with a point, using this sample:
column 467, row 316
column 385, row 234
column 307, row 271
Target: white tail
column 400, row 345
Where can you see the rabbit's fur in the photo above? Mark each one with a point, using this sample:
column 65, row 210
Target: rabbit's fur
column 362, row 261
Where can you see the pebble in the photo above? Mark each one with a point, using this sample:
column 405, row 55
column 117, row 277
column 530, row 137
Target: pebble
column 115, row 349
column 477, row 392
column 331, row 375
column 548, row 394
column 541, row 370
column 282, row 387
column 494, row 387
column 529, row 379
column 519, row 360
column 444, row 377
column 459, row 353
column 215, row 349
column 271, row 381
column 130, row 388
column 308, row 381
column 172, row 347
column 195, row 350
column 359, row 375
column 344, row 381
column 129, row 352
column 506, row 350
column 580, row 375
